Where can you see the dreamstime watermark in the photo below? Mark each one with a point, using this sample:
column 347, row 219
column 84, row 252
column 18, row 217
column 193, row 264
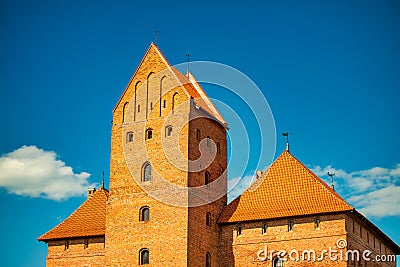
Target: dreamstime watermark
column 338, row 253
column 158, row 103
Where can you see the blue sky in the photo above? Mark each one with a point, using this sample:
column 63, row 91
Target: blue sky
column 329, row 70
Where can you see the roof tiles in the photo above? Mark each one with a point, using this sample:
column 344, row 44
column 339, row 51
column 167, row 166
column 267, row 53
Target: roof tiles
column 286, row 189
column 88, row 220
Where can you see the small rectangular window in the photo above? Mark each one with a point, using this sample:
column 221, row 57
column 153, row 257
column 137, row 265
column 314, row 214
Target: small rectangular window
column 164, row 103
column 317, row 223
column 138, row 108
column 66, row 245
column 239, row 231
column 86, row 243
column 264, row 228
column 290, row 226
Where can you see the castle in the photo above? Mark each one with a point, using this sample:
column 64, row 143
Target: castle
column 167, row 203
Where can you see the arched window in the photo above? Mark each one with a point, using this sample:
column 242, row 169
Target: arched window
column 208, row 219
column 161, row 87
column 134, row 114
column 168, row 130
column 124, row 108
column 173, row 101
column 207, row 178
column 144, row 256
column 144, row 215
column 147, row 93
column 278, row 262
column 149, row 133
column 146, row 173
column 129, row 137
column 208, row 259
column 198, row 134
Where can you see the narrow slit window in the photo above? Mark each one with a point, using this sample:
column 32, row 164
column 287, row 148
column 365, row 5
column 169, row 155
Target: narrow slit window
column 207, row 178
column 208, row 219
column 208, row 259
column 198, row 134
column 317, row 223
column 239, row 231
column 290, row 226
column 264, row 228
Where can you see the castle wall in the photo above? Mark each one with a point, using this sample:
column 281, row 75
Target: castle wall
column 242, row 249
column 361, row 237
column 85, row 252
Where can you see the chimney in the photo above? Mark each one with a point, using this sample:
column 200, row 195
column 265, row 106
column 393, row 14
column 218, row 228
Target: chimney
column 90, row 192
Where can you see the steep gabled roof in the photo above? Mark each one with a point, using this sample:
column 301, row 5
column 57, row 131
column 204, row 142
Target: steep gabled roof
column 88, row 220
column 189, row 83
column 286, row 189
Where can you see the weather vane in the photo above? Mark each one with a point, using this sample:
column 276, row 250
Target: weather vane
column 188, row 59
column 102, row 183
column 331, row 174
column 287, row 139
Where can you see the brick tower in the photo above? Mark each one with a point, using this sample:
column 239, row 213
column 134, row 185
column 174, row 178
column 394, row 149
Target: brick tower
column 167, row 171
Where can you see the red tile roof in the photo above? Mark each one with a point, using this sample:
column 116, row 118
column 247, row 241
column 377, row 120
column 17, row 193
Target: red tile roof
column 286, row 189
column 88, row 220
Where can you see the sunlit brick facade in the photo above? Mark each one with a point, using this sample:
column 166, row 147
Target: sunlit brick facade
column 167, row 204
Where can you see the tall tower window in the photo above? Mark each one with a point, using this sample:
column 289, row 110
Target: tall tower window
column 146, row 172
column 208, row 219
column 207, row 178
column 124, row 108
column 173, row 101
column 144, row 215
column 168, row 130
column 208, row 259
column 129, row 137
column 218, row 148
column 149, row 133
column 198, row 134
column 144, row 256
column 164, row 103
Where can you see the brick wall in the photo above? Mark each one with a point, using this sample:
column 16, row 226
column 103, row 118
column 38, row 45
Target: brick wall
column 172, row 235
column 88, row 252
column 241, row 250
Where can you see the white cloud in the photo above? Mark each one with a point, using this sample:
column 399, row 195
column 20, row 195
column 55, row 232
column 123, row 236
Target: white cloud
column 30, row 171
column 374, row 192
column 237, row 185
